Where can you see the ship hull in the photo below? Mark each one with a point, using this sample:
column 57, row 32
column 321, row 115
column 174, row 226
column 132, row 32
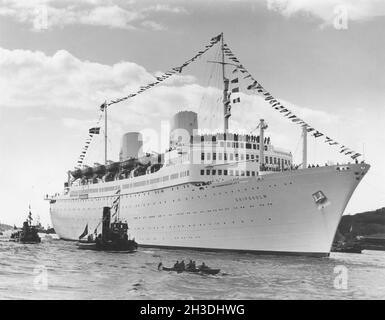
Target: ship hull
column 273, row 213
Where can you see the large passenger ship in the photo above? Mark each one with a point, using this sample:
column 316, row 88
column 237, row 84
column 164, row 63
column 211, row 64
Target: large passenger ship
column 219, row 191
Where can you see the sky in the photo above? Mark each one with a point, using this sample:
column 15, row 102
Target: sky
column 60, row 59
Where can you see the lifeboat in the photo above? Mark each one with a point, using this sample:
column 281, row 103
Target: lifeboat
column 128, row 164
column 154, row 167
column 87, row 172
column 76, row 174
column 139, row 171
column 112, row 167
column 146, row 160
column 99, row 170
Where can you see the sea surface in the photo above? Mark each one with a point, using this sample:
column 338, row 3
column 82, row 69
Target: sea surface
column 56, row 269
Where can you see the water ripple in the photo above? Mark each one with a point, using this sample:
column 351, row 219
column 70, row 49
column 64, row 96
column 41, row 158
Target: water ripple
column 80, row 274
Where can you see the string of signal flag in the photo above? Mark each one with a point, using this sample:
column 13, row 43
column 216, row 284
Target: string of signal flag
column 254, row 86
column 159, row 79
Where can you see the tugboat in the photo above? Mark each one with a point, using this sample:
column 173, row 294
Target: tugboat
column 114, row 236
column 28, row 234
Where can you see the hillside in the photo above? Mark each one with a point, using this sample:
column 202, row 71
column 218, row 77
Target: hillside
column 4, row 227
column 363, row 224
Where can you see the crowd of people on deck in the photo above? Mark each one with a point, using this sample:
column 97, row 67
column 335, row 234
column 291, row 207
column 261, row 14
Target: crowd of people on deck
column 228, row 137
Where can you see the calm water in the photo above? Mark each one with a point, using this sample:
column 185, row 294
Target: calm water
column 77, row 274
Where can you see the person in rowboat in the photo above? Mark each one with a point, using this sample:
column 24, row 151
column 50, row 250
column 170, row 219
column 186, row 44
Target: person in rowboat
column 190, row 265
column 182, row 266
column 203, row 266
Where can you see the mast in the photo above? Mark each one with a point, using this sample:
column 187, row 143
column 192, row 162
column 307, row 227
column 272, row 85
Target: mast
column 226, row 103
column 304, row 147
column 30, row 215
column 262, row 127
column 225, row 99
column 105, row 134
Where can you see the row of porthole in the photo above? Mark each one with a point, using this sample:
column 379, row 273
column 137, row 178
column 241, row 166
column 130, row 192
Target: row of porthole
column 160, row 202
column 175, row 238
column 209, row 210
column 195, row 212
column 137, row 194
column 180, row 213
column 256, row 197
column 192, row 198
column 199, row 197
column 194, row 225
column 156, row 192
column 183, row 226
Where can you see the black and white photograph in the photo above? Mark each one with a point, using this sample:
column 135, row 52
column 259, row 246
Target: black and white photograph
column 189, row 150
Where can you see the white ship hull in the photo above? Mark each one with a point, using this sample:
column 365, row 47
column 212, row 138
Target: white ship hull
column 272, row 213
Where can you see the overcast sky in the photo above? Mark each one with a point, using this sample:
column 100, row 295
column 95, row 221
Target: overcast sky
column 55, row 73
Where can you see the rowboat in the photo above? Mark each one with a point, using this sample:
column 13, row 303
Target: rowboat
column 196, row 270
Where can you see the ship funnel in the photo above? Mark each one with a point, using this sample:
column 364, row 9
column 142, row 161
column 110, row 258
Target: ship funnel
column 182, row 127
column 131, row 146
column 106, row 221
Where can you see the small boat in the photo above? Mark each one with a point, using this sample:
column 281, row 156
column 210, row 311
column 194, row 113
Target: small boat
column 347, row 247
column 205, row 270
column 113, row 238
column 112, row 245
column 28, row 234
column 129, row 247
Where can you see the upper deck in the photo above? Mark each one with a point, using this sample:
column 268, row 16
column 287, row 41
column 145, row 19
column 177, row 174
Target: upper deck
column 203, row 159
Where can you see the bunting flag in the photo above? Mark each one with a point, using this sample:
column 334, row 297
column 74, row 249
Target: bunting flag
column 103, row 106
column 234, row 90
column 217, row 38
column 253, row 85
column 257, row 87
column 91, row 132
column 94, row 130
